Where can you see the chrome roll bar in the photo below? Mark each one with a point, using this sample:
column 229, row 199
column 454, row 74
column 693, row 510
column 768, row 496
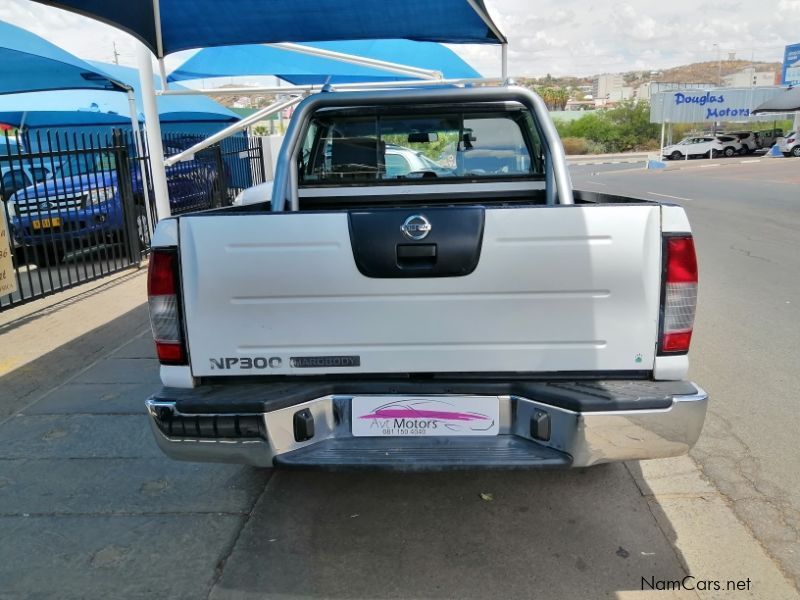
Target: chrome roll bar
column 284, row 191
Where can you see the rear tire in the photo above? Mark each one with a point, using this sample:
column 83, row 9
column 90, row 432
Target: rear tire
column 676, row 155
column 796, row 152
column 729, row 151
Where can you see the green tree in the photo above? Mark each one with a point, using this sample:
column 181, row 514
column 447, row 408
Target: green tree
column 555, row 98
column 626, row 127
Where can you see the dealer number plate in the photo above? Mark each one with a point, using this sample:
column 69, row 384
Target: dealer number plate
column 375, row 416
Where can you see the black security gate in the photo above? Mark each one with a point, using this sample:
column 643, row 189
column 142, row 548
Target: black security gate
column 74, row 207
column 71, row 213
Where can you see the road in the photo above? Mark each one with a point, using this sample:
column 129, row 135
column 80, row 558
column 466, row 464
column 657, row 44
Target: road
column 746, row 346
column 89, row 508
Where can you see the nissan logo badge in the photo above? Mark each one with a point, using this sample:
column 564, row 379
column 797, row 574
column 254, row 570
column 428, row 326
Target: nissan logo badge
column 416, row 227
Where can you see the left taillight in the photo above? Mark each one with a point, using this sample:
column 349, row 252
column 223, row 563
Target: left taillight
column 163, row 298
column 679, row 295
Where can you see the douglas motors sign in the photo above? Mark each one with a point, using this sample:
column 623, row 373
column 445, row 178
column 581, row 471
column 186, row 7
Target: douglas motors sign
column 714, row 104
column 708, row 105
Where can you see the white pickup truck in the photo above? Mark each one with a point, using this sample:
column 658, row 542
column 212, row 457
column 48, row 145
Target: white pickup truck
column 464, row 308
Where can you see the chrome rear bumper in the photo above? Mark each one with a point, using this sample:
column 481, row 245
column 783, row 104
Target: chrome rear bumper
column 581, row 438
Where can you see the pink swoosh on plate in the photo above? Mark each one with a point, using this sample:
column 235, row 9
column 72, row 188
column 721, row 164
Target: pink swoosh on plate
column 391, row 413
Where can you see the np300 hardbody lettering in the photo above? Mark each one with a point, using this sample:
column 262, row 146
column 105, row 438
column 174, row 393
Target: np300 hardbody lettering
column 245, row 363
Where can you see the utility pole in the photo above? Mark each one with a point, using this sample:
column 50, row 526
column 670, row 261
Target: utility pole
column 116, row 54
column 719, row 66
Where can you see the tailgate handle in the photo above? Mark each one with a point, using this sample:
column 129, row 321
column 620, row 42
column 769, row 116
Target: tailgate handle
column 416, row 256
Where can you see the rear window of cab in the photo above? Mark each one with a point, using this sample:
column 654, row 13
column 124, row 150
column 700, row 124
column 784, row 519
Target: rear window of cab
column 406, row 148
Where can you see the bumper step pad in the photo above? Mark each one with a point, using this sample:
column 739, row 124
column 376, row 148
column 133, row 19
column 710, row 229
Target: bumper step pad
column 425, row 454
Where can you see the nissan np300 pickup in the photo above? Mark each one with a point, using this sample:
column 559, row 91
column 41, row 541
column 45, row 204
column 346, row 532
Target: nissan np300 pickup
column 463, row 309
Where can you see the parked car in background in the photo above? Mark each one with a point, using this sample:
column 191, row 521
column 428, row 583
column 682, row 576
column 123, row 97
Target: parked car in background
column 748, row 140
column 407, row 162
column 729, row 141
column 790, row 144
column 769, row 137
column 82, row 204
column 694, row 147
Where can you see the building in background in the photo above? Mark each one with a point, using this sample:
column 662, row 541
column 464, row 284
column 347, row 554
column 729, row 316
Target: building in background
column 579, row 105
column 646, row 90
column 749, row 77
column 608, row 88
column 243, row 102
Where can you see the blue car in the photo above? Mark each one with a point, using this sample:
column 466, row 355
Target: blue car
column 82, row 206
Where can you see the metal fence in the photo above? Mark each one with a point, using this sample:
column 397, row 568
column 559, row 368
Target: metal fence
column 74, row 206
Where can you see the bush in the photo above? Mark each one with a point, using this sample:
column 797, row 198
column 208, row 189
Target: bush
column 575, row 145
column 620, row 129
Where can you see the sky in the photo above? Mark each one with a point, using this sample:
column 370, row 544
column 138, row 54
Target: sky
column 560, row 37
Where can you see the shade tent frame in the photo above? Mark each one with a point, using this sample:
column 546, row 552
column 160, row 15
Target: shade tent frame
column 320, row 87
column 361, row 61
column 467, row 23
column 424, row 77
column 147, row 26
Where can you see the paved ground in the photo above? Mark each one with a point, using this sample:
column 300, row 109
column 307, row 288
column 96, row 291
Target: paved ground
column 90, row 509
column 77, row 267
column 746, row 219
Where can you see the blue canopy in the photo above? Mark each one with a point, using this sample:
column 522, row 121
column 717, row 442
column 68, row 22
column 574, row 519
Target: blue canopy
column 64, row 109
column 30, row 64
column 304, row 69
column 187, row 24
column 84, row 108
column 182, row 109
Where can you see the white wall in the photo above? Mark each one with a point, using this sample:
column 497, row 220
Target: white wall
column 271, row 145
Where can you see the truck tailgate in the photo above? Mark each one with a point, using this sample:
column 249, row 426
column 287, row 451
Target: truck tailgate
column 556, row 288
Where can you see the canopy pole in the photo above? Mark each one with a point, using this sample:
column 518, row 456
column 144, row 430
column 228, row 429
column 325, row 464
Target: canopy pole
column 140, row 159
column 663, row 128
column 153, row 130
column 236, row 127
column 481, row 12
column 303, row 89
column 163, row 72
column 361, row 61
column 504, row 62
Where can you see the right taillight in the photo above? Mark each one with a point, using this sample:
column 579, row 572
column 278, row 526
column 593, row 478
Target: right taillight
column 163, row 298
column 680, row 294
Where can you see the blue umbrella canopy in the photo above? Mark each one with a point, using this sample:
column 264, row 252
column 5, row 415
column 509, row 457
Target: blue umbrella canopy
column 83, row 108
column 172, row 108
column 304, row 69
column 168, row 26
column 68, row 108
column 29, row 63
